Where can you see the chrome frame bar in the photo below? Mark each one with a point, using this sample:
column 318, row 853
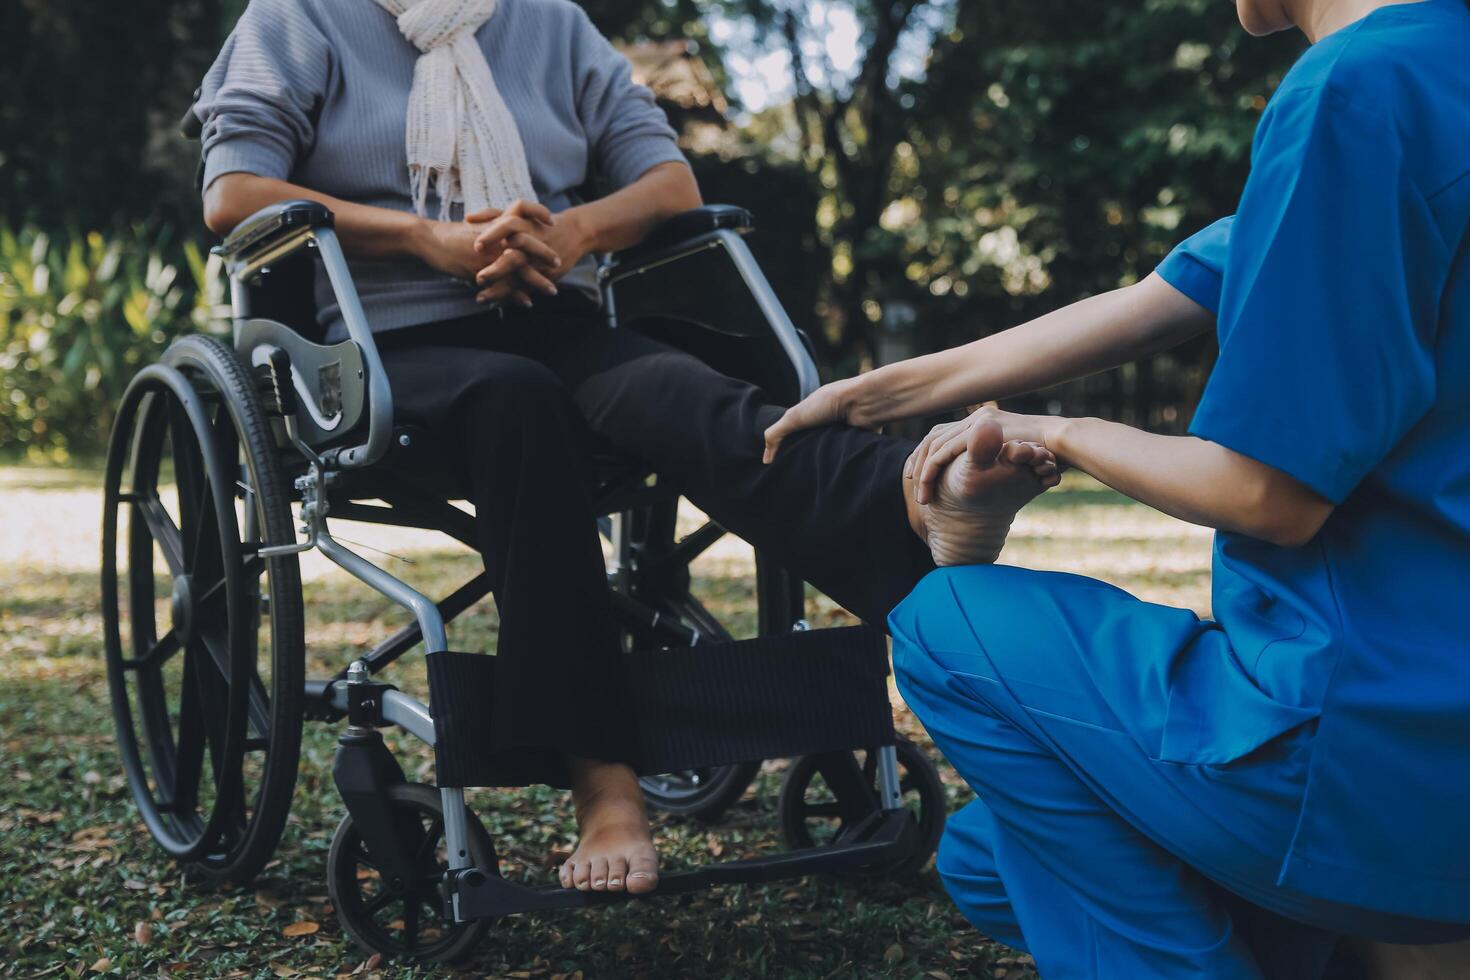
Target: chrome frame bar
column 380, row 397
column 775, row 313
column 890, row 796
column 750, row 273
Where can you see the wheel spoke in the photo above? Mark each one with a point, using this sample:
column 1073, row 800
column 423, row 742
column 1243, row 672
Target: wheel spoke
column 361, row 857
column 164, row 531
column 157, row 655
column 189, row 756
column 411, row 922
column 431, row 840
column 844, row 777
column 211, row 633
column 381, row 901
column 189, row 477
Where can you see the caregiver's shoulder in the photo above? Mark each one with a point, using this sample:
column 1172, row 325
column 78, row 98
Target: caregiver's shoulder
column 1401, row 68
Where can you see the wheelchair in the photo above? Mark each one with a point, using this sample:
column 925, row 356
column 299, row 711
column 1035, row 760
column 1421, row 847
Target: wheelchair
column 204, row 617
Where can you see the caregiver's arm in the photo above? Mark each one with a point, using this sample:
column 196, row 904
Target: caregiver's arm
column 1186, row 477
column 1092, row 335
column 1194, row 480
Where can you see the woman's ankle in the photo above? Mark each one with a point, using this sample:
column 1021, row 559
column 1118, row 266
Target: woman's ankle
column 596, row 783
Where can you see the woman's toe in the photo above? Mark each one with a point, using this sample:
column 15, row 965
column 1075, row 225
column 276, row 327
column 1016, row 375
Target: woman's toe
column 642, row 874
column 564, row 874
column 582, row 876
column 599, row 874
column 1018, row 453
column 617, row 873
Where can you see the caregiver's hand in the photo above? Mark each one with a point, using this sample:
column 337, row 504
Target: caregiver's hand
column 515, row 256
column 830, row 403
column 947, row 442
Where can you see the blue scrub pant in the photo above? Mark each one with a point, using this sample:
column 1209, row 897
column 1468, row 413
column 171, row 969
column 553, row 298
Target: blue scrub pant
column 1081, row 849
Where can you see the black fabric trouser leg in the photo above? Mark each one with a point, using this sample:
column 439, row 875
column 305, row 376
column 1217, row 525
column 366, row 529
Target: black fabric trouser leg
column 512, row 436
column 830, row 508
column 517, row 401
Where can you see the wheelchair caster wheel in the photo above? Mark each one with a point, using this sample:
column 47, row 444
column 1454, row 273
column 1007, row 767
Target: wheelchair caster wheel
column 704, row 794
column 404, row 919
column 205, row 679
column 814, row 812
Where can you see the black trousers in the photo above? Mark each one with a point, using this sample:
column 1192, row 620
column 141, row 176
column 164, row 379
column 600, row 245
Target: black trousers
column 516, row 402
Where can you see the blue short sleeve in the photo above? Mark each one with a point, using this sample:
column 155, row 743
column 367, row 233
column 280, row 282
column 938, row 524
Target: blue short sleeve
column 1196, row 267
column 1327, row 306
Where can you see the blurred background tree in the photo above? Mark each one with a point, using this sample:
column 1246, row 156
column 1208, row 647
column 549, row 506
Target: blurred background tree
column 923, row 172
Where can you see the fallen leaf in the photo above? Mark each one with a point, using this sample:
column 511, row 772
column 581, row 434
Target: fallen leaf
column 101, row 966
column 893, row 953
column 143, row 933
column 715, row 847
column 303, row 928
column 374, row 961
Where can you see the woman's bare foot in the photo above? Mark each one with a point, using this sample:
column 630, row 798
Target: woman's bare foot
column 977, row 496
column 615, row 851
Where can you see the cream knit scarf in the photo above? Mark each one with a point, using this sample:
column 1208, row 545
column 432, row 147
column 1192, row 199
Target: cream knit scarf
column 462, row 140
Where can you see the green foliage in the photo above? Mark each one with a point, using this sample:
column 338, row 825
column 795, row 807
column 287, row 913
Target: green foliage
column 78, row 317
column 93, row 94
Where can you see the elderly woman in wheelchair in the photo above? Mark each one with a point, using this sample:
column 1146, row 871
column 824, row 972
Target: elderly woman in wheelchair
column 424, row 311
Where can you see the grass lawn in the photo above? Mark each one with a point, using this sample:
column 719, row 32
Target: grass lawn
column 85, row 892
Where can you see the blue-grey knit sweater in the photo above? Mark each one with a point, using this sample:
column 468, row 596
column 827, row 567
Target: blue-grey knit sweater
column 316, row 92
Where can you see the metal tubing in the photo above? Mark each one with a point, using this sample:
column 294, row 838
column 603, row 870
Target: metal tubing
column 456, row 830
column 890, row 796
column 379, row 397
column 775, row 314
column 398, row 709
column 422, row 607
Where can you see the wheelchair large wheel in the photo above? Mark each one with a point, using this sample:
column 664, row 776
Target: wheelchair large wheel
column 825, row 796
column 402, row 919
column 659, row 580
column 204, row 638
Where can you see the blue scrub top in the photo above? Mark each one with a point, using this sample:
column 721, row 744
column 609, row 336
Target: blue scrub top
column 1342, row 291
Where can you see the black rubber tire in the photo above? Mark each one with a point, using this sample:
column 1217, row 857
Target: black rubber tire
column 703, row 794
column 923, row 793
column 348, row 854
column 203, row 358
column 242, row 829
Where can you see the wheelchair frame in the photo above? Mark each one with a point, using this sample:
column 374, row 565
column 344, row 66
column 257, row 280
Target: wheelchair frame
column 277, row 233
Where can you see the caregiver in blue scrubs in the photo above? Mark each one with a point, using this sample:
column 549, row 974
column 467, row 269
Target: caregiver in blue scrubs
column 1165, row 796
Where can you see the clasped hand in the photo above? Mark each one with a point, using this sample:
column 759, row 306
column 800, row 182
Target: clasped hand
column 511, row 254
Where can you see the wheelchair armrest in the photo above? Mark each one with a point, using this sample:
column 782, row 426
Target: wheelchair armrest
column 272, row 225
column 684, row 231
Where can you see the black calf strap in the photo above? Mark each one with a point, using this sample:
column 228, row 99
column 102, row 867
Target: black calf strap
column 714, row 704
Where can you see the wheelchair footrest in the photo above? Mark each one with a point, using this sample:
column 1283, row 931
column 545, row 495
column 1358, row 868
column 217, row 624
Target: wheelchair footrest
column 713, row 704
column 887, row 837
